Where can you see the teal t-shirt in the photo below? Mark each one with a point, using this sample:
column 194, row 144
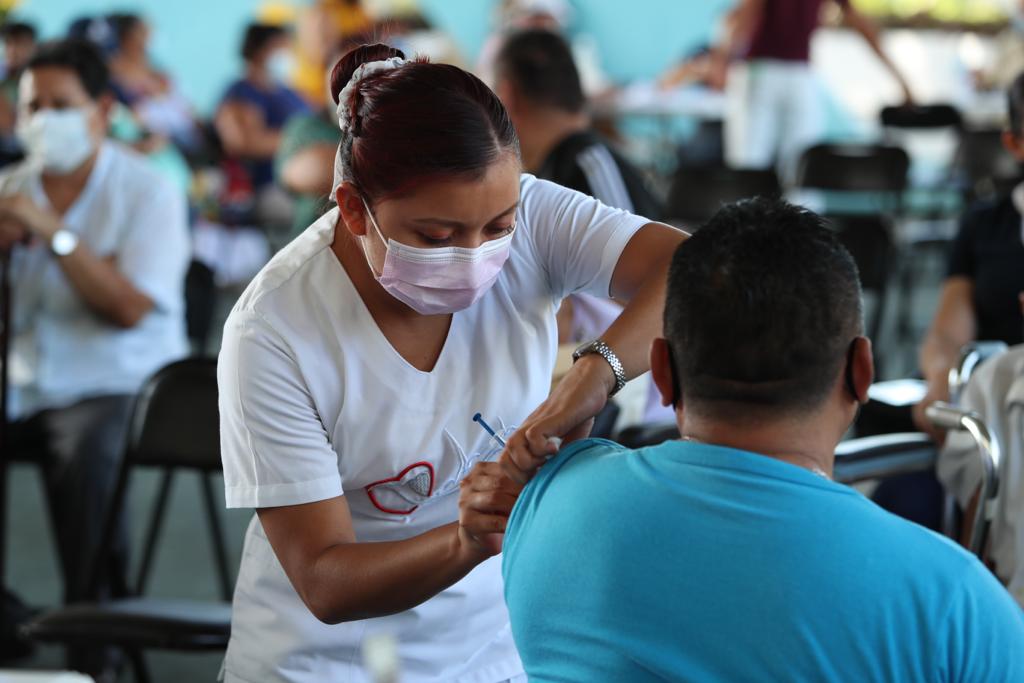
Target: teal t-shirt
column 690, row 562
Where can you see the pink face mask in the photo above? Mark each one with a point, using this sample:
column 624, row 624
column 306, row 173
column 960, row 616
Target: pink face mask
column 439, row 280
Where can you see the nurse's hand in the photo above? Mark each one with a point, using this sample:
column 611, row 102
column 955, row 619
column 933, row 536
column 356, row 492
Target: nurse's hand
column 485, row 502
column 567, row 415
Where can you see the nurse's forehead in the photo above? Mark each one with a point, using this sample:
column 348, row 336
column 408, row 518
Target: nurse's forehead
column 467, row 200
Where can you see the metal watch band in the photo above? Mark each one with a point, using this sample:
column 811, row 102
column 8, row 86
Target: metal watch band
column 605, row 351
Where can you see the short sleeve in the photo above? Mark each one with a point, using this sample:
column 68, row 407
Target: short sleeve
column 155, row 250
column 273, row 444
column 984, row 630
column 578, row 239
column 961, row 255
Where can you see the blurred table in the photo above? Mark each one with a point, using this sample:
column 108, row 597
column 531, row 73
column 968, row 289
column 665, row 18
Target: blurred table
column 7, row 676
column 647, row 99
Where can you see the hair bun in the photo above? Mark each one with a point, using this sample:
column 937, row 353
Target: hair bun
column 347, row 65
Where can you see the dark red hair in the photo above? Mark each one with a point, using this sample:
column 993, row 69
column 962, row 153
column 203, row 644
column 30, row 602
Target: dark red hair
column 417, row 122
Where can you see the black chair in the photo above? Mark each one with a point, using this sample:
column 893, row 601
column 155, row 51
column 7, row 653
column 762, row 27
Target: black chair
column 922, row 116
column 200, row 301
column 864, row 168
column 174, row 427
column 879, row 173
column 987, row 168
column 697, row 192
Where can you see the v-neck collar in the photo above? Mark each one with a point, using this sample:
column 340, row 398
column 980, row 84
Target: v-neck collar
column 379, row 340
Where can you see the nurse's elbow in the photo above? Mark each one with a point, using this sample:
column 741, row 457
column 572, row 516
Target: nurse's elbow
column 323, row 605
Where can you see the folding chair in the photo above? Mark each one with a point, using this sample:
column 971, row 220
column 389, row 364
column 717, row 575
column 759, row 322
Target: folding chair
column 698, row 192
column 174, row 427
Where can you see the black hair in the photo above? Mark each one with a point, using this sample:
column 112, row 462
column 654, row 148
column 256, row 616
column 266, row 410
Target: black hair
column 79, row 56
column 540, row 65
column 1015, row 105
column 257, row 36
column 123, row 23
column 762, row 307
column 17, row 30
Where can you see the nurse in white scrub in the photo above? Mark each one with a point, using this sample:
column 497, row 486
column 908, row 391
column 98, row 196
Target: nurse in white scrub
column 354, row 363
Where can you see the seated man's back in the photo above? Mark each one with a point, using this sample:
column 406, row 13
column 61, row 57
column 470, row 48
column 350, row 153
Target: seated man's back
column 687, row 561
column 731, row 555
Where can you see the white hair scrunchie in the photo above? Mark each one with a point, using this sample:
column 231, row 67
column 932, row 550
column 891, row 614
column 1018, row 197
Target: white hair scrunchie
column 344, row 112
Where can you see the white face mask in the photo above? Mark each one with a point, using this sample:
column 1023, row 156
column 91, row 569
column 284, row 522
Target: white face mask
column 281, row 66
column 58, row 140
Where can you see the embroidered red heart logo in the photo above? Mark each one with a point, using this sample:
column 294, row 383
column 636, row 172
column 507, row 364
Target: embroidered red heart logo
column 402, row 493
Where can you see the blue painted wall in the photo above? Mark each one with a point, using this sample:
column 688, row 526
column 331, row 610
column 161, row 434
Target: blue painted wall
column 196, row 40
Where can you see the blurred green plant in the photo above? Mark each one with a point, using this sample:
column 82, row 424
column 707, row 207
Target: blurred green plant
column 954, row 11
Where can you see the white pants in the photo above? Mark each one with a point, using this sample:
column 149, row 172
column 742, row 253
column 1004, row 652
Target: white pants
column 773, row 113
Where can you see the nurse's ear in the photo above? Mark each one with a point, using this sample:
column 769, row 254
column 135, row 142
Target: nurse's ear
column 353, row 212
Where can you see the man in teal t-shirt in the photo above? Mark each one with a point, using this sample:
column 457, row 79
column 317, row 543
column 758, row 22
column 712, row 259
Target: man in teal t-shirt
column 730, row 555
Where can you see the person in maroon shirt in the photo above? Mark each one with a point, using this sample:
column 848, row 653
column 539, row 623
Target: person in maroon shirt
column 773, row 110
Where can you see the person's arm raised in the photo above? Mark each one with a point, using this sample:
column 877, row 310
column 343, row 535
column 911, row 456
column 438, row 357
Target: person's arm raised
column 869, row 30
column 640, row 278
column 341, row 579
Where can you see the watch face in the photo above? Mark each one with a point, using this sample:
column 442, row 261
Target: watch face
column 64, row 243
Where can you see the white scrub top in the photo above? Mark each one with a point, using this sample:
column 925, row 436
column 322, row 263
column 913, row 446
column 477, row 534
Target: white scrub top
column 315, row 403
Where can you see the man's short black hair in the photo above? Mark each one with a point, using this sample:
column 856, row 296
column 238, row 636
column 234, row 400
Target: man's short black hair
column 540, row 65
column 79, row 56
column 18, row 30
column 762, row 306
column 257, row 37
column 1015, row 105
column 123, row 24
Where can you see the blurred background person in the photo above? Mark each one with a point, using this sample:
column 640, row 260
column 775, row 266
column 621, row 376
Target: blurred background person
column 537, row 81
column 100, row 247
column 774, row 110
column 19, row 44
column 1007, row 59
column 557, row 16
column 980, row 299
column 320, row 28
column 147, row 90
column 251, row 116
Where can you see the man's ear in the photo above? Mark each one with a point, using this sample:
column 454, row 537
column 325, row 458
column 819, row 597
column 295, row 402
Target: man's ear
column 662, row 373
column 353, row 212
column 860, row 369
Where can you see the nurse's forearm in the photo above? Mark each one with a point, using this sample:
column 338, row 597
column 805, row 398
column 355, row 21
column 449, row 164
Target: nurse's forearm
column 355, row 581
column 639, row 323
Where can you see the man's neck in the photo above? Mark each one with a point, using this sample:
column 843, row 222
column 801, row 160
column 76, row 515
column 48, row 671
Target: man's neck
column 544, row 132
column 259, row 76
column 794, row 440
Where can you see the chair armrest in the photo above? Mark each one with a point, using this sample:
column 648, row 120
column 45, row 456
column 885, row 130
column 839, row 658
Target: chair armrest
column 883, row 456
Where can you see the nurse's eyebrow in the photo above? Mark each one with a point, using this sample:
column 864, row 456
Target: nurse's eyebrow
column 458, row 224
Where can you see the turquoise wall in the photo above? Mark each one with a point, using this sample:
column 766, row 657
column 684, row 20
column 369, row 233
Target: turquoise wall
column 196, row 40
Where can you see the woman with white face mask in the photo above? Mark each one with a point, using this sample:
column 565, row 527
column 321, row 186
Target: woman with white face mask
column 353, row 365
column 99, row 245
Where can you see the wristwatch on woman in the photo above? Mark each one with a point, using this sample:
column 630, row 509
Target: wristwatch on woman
column 600, row 348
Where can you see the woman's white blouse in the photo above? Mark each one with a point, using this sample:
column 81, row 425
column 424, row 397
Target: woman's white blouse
column 315, row 403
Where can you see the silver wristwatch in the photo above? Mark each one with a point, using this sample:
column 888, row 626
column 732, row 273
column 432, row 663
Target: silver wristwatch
column 600, row 348
column 63, row 242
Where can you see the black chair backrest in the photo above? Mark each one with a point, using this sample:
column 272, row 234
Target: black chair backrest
column 175, row 426
column 698, row 192
column 854, row 168
column 176, row 423
column 200, row 297
column 921, row 117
